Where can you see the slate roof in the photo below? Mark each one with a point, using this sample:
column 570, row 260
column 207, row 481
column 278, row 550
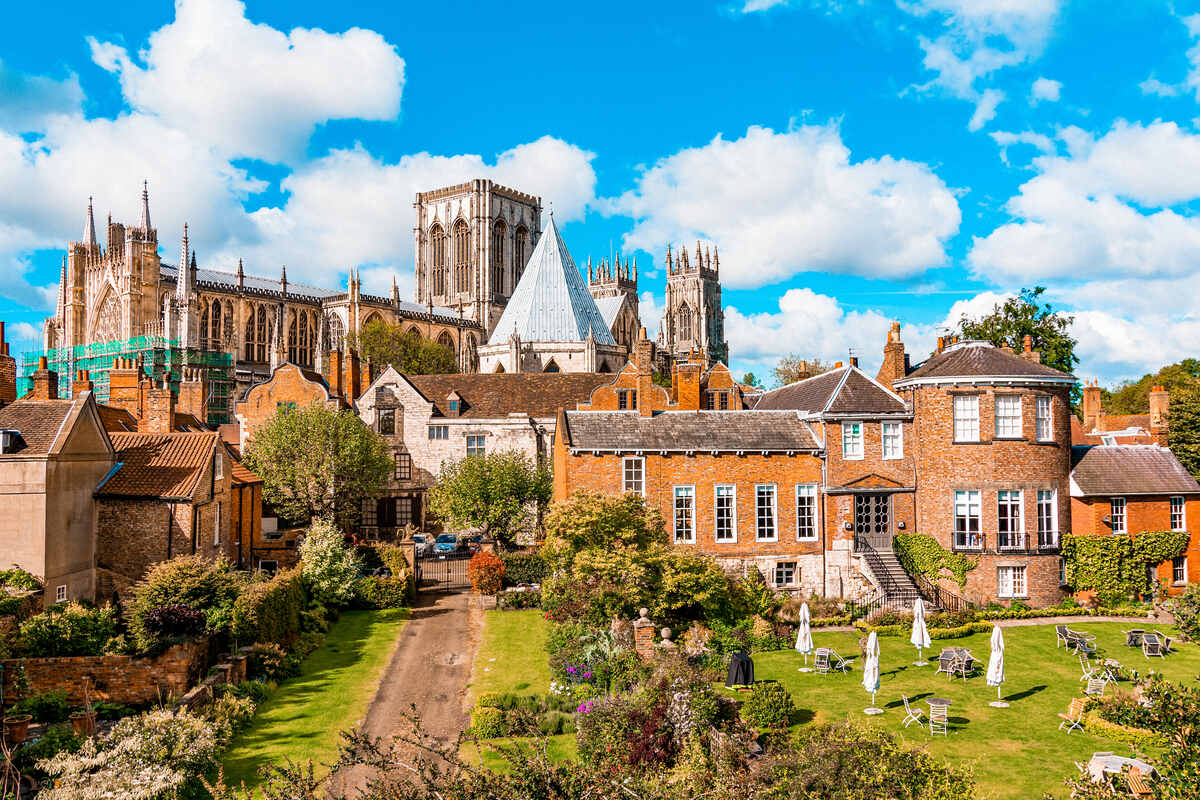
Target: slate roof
column 609, row 307
column 493, row 395
column 836, row 393
column 119, row 420
column 981, row 359
column 161, row 465
column 39, row 422
column 703, row 431
column 551, row 302
column 1128, row 470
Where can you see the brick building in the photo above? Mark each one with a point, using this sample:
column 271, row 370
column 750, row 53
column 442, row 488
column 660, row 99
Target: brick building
column 1130, row 489
column 293, row 386
column 992, row 449
column 1100, row 427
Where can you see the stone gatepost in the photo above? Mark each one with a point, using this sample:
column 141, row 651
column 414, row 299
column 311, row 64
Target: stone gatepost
column 643, row 635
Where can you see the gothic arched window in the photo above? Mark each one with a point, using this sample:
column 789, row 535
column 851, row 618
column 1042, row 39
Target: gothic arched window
column 685, row 322
column 213, row 331
column 498, row 231
column 227, row 328
column 413, row 331
column 519, row 240
column 337, row 331
column 300, row 343
column 437, row 247
column 462, row 257
column 445, row 341
column 256, row 338
column 108, row 320
column 204, row 321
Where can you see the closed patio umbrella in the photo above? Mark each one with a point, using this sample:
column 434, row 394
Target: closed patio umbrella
column 804, row 642
column 995, row 673
column 920, row 634
column 870, row 679
column 741, row 670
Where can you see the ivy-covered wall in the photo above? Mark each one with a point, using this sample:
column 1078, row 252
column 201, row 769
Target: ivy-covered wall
column 922, row 555
column 1114, row 567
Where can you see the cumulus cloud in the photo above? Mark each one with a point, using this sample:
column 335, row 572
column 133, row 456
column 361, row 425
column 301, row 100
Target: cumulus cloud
column 27, row 102
column 251, row 90
column 1007, row 139
column 985, row 109
column 788, row 202
column 751, row 6
column 1045, row 90
column 1153, row 86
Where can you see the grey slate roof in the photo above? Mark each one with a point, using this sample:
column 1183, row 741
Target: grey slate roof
column 551, row 302
column 979, row 359
column 838, row 392
column 609, row 307
column 1128, row 469
column 703, row 431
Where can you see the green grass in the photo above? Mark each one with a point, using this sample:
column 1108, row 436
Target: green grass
column 560, row 747
column 1017, row 752
column 512, row 654
column 303, row 718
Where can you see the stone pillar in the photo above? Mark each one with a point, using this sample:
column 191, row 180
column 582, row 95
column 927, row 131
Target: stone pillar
column 643, row 635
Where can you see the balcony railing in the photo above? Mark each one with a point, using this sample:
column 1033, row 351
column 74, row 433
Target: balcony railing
column 1010, row 541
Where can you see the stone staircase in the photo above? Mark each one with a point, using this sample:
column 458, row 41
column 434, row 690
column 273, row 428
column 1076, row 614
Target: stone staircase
column 896, row 585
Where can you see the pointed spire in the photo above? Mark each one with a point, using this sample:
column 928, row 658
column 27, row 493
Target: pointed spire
column 670, row 266
column 241, row 275
column 89, row 227
column 633, row 277
column 589, row 269
column 283, row 279
column 716, row 259
column 144, row 219
column 62, row 292
column 183, row 276
column 699, row 257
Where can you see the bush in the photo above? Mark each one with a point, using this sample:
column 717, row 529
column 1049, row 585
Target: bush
column 768, row 706
column 269, row 661
column 17, row 578
column 45, row 706
column 106, row 709
column 516, row 600
column 372, row 592
column 487, row 722
column 1186, row 608
column 254, row 690
column 206, row 586
column 68, row 629
column 553, row 723
column 523, row 568
column 53, row 741
column 175, row 622
column 1114, row 567
column 328, row 565
column 229, row 713
column 269, row 611
column 486, row 572
column 923, row 555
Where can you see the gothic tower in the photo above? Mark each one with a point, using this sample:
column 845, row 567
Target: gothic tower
column 694, row 317
column 614, row 287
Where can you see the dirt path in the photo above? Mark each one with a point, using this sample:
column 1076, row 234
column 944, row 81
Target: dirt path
column 429, row 668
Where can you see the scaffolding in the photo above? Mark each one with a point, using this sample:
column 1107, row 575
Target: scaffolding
column 161, row 359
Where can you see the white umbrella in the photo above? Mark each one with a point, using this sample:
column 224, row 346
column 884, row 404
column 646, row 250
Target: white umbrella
column 804, row 642
column 870, row 679
column 995, row 673
column 920, row 634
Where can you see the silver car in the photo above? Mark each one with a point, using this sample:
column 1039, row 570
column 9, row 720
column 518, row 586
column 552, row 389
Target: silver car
column 421, row 545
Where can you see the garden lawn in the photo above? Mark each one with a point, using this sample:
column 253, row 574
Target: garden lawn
column 1017, row 752
column 304, row 717
column 512, row 654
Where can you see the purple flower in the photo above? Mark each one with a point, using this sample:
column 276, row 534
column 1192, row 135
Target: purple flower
column 585, row 707
column 570, row 670
column 587, row 674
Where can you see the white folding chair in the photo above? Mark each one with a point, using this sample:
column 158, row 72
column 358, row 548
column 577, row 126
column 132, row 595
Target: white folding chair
column 912, row 714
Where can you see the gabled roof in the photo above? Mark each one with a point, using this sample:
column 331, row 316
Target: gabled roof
column 847, row 391
column 701, row 431
column 242, row 474
column 982, row 360
column 1135, row 431
column 492, row 395
column 40, row 422
column 1116, row 470
column 551, row 302
column 609, row 308
column 159, row 465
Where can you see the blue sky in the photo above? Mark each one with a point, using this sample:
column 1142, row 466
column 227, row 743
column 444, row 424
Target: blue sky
column 856, row 162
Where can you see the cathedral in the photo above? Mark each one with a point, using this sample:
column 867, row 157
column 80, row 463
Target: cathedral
column 490, row 286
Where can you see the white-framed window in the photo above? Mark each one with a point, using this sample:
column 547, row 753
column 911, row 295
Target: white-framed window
column 785, row 573
column 633, row 475
column 893, row 440
column 1178, row 515
column 1062, row 572
column 966, row 418
column 60, row 593
column 725, row 512
column 218, row 465
column 1010, row 582
column 476, row 445
column 1179, row 570
column 852, row 440
column 1043, row 415
column 966, row 519
column 439, row 431
column 685, row 513
column 217, row 527
column 1047, row 517
column 1008, row 416
column 765, row 510
column 1010, row 521
column 1116, row 511
column 806, row 511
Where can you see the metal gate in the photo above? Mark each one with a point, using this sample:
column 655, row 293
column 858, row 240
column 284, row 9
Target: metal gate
column 444, row 572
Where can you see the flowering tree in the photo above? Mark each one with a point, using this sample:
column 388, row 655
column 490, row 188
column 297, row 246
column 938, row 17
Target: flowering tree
column 328, row 566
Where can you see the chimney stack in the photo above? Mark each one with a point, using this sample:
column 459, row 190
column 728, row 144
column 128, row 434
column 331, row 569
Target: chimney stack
column 894, row 366
column 352, row 380
column 686, row 385
column 159, row 412
column 1160, row 402
column 1092, row 411
column 8, row 372
column 333, row 372
column 1028, row 352
column 82, row 383
column 123, row 386
column 45, row 382
column 193, row 394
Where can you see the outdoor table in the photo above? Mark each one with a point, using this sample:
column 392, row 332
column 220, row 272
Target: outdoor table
column 937, row 701
column 1100, row 766
column 1133, row 638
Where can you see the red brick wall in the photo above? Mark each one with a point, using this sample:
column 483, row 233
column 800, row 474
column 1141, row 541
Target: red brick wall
column 872, row 470
column 1150, row 513
column 287, row 385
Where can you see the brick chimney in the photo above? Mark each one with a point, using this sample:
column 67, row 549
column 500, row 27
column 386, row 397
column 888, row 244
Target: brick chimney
column 1160, row 402
column 8, row 372
column 894, row 366
column 333, row 372
column 123, row 386
column 1028, row 352
column 1092, row 412
column 941, row 343
column 686, row 385
column 193, row 394
column 352, row 377
column 643, row 361
column 45, row 382
column 159, row 413
column 82, row 383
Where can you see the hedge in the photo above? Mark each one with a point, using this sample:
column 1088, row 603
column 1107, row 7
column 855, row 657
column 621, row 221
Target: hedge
column 923, row 555
column 524, row 568
column 1138, row 738
column 269, row 611
column 374, row 592
column 984, row 624
column 1114, row 567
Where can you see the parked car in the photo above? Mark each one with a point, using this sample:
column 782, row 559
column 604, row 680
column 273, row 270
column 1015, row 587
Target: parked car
column 421, row 544
column 474, row 543
column 446, row 544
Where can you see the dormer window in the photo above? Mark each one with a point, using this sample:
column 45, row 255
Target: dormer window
column 454, row 405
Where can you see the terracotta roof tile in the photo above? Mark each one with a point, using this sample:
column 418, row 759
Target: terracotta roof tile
column 242, row 474
column 1117, row 470
column 39, row 422
column 846, row 391
column 493, row 395
column 167, row 465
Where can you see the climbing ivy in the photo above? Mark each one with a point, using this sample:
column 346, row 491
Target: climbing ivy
column 1114, row 567
column 922, row 555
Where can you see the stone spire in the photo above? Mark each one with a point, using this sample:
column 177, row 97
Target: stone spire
column 283, row 280
column 395, row 291
column 89, row 227
column 61, row 312
column 144, row 219
column 670, row 266
column 183, row 278
column 241, row 275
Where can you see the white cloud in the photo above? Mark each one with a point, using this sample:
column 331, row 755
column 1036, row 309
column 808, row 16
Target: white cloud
column 760, row 5
column 1007, row 139
column 27, row 102
column 650, row 310
column 21, row 332
column 1153, row 86
column 250, row 90
column 783, row 203
column 985, row 109
column 1045, row 90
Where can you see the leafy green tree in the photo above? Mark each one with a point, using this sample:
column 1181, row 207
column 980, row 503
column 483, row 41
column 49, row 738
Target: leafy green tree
column 1183, row 434
column 793, row 368
column 318, row 462
column 1025, row 315
column 382, row 343
column 329, row 567
column 1133, row 397
column 498, row 494
column 750, row 379
column 590, row 520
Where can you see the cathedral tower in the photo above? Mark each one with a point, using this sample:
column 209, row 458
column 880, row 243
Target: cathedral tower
column 614, row 287
column 695, row 318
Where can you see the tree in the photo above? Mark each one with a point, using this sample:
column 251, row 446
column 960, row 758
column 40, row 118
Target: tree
column 750, row 379
column 318, row 462
column 382, row 343
column 793, row 368
column 328, row 566
column 498, row 494
column 1183, row 432
column 589, row 520
column 1133, row 397
column 1014, row 319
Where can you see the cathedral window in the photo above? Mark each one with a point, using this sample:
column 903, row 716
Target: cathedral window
column 256, row 334
column 108, row 320
column 204, row 322
column 300, row 343
column 337, row 333
column 498, row 231
column 445, row 341
column 437, row 239
column 519, row 241
column 213, row 331
column 462, row 257
column 685, row 322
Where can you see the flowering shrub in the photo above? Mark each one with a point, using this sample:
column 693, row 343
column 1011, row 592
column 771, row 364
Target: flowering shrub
column 1186, row 608
column 328, row 565
column 768, row 706
column 174, row 622
column 486, row 572
column 487, row 722
column 270, row 662
column 208, row 587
